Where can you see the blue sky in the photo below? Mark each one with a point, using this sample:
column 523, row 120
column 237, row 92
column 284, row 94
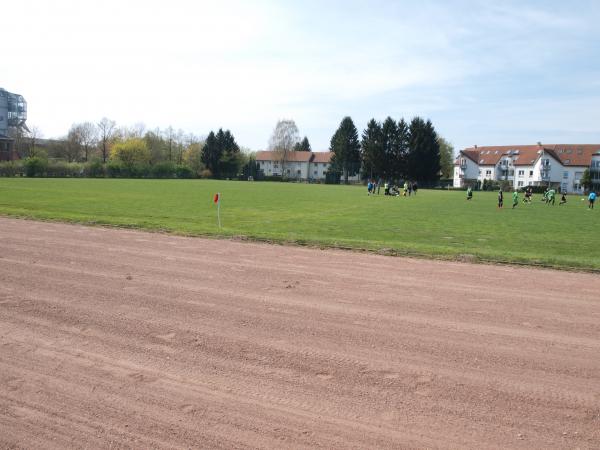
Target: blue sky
column 484, row 72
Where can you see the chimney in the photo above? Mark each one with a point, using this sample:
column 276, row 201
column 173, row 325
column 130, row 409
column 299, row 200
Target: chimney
column 539, row 144
column 475, row 146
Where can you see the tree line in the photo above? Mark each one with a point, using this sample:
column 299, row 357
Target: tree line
column 391, row 151
column 387, row 150
column 105, row 149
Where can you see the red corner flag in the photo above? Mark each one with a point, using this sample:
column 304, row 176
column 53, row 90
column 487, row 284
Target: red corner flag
column 217, row 200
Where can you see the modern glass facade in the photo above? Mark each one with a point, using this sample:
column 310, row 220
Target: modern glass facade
column 13, row 111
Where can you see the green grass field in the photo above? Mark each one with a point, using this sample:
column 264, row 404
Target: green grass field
column 434, row 223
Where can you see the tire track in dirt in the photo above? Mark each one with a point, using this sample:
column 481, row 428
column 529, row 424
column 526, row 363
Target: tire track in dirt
column 130, row 339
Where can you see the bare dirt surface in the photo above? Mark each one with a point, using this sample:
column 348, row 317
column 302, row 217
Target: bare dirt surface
column 123, row 339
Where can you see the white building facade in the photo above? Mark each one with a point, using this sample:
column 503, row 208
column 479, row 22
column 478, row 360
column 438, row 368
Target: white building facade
column 301, row 166
column 560, row 166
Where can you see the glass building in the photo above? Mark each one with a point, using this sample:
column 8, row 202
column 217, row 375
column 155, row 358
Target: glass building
column 13, row 114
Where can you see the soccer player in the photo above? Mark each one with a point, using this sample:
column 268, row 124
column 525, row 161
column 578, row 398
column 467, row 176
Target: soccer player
column 563, row 199
column 551, row 197
column 469, row 193
column 515, row 198
column 527, row 196
column 591, row 200
column 500, row 198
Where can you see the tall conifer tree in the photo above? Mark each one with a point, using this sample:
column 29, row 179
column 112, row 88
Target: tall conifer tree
column 211, row 154
column 424, row 154
column 303, row 145
column 372, row 150
column 389, row 132
column 346, row 149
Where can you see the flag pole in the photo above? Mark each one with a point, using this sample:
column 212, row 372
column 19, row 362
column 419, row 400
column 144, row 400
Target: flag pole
column 219, row 210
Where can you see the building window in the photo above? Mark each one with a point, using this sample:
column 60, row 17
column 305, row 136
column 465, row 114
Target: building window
column 521, row 173
column 488, row 173
column 316, row 172
column 520, row 184
column 531, row 173
column 565, row 174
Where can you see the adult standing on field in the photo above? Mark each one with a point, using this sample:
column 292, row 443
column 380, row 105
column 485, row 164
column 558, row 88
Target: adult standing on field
column 415, row 187
column 527, row 196
column 591, row 200
column 551, row 197
column 500, row 198
column 469, row 193
column 515, row 198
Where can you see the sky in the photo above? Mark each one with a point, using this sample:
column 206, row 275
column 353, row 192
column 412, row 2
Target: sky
column 484, row 72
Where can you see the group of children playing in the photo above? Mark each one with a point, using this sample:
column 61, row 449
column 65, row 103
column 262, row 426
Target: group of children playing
column 549, row 197
column 391, row 189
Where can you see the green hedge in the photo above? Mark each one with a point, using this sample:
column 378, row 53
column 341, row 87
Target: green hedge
column 11, row 168
column 40, row 167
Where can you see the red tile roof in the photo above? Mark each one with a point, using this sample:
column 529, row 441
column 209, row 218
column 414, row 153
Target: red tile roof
column 322, row 157
column 314, row 157
column 576, row 155
column 290, row 156
column 526, row 155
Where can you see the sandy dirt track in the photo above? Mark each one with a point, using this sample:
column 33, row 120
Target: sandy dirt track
column 123, row 339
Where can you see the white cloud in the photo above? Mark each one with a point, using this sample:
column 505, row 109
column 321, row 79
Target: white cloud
column 243, row 65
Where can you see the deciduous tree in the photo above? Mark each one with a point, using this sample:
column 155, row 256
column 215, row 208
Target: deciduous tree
column 86, row 135
column 33, row 135
column 446, row 157
column 284, row 139
column 131, row 151
column 192, row 157
column 106, row 132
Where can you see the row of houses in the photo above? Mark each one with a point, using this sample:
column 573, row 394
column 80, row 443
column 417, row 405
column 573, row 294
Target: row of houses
column 305, row 166
column 559, row 165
